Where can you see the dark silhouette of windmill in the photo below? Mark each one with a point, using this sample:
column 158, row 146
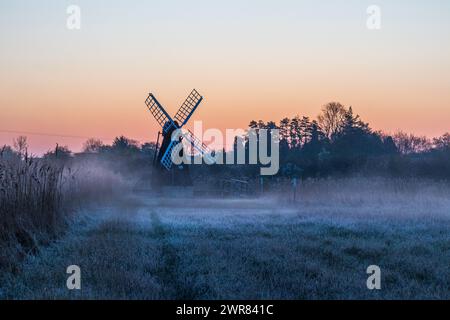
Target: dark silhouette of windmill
column 173, row 136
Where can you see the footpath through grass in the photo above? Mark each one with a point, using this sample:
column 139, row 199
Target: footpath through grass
column 151, row 249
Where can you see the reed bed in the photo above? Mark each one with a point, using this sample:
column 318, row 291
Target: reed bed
column 36, row 198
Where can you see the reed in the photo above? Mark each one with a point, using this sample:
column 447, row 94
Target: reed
column 36, row 198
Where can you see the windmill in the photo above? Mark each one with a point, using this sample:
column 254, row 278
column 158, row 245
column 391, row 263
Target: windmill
column 172, row 142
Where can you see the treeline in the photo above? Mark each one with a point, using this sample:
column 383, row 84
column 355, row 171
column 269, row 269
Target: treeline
column 339, row 143
column 124, row 155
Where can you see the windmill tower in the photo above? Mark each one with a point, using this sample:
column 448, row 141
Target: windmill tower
column 173, row 137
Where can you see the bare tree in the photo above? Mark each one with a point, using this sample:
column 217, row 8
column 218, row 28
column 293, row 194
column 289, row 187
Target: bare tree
column 21, row 146
column 443, row 142
column 92, row 145
column 332, row 118
column 409, row 143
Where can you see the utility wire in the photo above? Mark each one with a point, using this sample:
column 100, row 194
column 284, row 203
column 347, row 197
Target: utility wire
column 50, row 134
column 55, row 135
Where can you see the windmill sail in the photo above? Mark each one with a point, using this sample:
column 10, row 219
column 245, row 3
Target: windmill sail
column 171, row 129
column 175, row 147
column 158, row 112
column 188, row 107
column 197, row 144
column 166, row 159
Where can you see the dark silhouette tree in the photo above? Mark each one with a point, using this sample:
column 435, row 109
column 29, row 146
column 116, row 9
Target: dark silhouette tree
column 21, row 146
column 124, row 145
column 442, row 143
column 92, row 145
column 332, row 118
column 62, row 153
column 295, row 133
column 409, row 143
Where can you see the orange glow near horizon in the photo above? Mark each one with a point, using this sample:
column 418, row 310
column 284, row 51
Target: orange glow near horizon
column 93, row 82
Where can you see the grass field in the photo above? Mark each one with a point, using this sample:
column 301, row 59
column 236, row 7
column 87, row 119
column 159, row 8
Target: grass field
column 145, row 247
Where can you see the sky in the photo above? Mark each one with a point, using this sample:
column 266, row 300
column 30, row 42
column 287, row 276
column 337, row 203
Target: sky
column 249, row 59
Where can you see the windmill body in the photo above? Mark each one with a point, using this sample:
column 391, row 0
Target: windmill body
column 173, row 136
